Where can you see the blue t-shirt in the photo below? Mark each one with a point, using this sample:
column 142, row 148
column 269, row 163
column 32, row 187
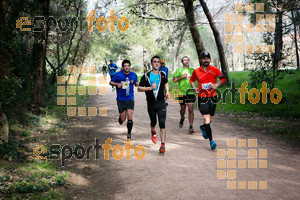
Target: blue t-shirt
column 112, row 69
column 165, row 69
column 154, row 78
column 126, row 92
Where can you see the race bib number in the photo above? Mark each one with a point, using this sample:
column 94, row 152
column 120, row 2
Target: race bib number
column 125, row 85
column 205, row 86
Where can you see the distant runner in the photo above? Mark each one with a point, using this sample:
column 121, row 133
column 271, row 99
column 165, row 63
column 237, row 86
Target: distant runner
column 164, row 69
column 112, row 68
column 104, row 70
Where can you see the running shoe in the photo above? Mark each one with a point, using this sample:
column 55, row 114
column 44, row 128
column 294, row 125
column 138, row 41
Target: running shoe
column 120, row 121
column 203, row 132
column 129, row 138
column 191, row 130
column 212, row 144
column 162, row 149
column 154, row 137
column 181, row 122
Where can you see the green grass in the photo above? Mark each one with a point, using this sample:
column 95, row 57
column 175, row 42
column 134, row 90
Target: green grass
column 33, row 177
column 239, row 77
column 21, row 175
column 288, row 107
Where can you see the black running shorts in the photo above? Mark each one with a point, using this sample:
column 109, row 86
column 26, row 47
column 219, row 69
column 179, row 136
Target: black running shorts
column 207, row 105
column 125, row 105
column 187, row 99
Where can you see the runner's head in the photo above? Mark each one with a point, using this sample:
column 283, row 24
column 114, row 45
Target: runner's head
column 111, row 61
column 185, row 61
column 126, row 66
column 205, row 59
column 162, row 63
column 155, row 62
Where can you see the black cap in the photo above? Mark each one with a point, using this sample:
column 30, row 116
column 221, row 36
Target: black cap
column 110, row 60
column 205, row 54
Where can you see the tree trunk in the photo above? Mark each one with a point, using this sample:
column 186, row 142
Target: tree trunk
column 232, row 61
column 39, row 60
column 296, row 41
column 217, row 39
column 105, row 62
column 4, row 131
column 278, row 37
column 190, row 15
column 5, row 56
column 145, row 62
column 5, row 60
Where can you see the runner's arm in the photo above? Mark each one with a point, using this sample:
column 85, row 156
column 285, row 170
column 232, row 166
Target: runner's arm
column 214, row 86
column 119, row 85
column 167, row 94
column 176, row 79
column 136, row 81
column 221, row 76
column 142, row 88
column 194, row 88
column 192, row 82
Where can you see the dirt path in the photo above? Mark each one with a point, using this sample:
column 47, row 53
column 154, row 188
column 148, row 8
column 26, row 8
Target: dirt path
column 188, row 169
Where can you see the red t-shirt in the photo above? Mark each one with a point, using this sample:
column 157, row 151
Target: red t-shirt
column 205, row 78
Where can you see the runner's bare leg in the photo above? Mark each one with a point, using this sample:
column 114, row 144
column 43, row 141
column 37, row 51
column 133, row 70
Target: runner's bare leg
column 182, row 111
column 123, row 116
column 191, row 113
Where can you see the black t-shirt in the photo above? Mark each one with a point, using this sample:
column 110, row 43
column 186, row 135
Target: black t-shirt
column 145, row 82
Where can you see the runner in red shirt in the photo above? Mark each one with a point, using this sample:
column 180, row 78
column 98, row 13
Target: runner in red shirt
column 207, row 75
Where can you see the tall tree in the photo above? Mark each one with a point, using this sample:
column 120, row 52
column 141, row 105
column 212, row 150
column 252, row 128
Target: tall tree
column 5, row 36
column 63, row 42
column 217, row 39
column 8, row 14
column 295, row 19
column 38, row 59
column 278, row 35
column 190, row 16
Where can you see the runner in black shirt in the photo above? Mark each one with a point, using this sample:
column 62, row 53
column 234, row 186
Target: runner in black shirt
column 155, row 85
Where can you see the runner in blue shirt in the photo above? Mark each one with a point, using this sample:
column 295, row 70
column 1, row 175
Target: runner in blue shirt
column 125, row 81
column 112, row 68
column 166, row 70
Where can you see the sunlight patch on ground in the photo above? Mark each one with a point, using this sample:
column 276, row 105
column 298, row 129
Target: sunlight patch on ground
column 79, row 180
